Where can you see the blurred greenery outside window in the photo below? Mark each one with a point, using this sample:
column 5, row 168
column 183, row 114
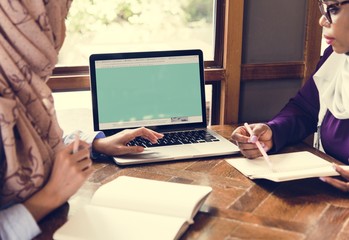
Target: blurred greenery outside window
column 104, row 26
column 95, row 26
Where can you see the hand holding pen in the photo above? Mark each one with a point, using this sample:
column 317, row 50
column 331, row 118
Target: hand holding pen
column 260, row 147
column 72, row 166
column 246, row 142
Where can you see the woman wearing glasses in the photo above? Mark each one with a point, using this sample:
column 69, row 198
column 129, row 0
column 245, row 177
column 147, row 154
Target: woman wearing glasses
column 320, row 107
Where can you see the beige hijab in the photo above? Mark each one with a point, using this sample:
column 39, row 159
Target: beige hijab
column 32, row 32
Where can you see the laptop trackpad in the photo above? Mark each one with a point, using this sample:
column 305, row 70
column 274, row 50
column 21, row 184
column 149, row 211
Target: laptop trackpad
column 158, row 154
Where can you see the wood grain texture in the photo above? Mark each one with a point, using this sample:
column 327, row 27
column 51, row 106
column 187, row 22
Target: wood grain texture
column 238, row 208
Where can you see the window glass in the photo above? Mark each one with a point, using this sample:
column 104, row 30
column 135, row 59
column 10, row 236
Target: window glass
column 95, row 26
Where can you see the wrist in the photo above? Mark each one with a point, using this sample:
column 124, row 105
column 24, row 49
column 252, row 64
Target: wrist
column 98, row 142
column 43, row 202
column 97, row 145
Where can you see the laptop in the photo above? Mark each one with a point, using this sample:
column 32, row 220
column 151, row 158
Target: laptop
column 160, row 90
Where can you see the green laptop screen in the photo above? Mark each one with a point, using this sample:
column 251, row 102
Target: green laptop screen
column 148, row 91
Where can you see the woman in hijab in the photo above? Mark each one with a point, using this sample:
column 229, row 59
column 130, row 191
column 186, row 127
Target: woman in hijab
column 320, row 107
column 38, row 171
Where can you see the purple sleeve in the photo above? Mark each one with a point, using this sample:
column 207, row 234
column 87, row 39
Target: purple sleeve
column 298, row 119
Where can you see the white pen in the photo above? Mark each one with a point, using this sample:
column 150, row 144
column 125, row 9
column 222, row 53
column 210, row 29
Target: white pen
column 261, row 149
column 76, row 142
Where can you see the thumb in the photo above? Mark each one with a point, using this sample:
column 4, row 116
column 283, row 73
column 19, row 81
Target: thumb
column 261, row 130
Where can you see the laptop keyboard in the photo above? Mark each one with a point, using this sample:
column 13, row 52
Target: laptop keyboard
column 176, row 138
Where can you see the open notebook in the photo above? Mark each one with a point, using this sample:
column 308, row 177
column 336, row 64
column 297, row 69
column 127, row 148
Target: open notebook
column 162, row 90
column 130, row 208
column 287, row 166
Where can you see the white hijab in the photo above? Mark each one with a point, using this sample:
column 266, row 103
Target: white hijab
column 332, row 81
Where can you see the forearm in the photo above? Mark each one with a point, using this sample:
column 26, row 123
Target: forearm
column 43, row 202
column 290, row 129
column 299, row 117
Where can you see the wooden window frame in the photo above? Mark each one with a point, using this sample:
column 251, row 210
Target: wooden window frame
column 225, row 72
column 77, row 78
column 252, row 72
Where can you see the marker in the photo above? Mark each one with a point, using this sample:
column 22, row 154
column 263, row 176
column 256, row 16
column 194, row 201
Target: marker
column 261, row 149
column 76, row 142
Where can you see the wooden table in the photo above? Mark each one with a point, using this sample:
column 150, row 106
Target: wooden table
column 238, row 208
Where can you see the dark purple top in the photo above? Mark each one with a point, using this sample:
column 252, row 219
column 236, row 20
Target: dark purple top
column 299, row 118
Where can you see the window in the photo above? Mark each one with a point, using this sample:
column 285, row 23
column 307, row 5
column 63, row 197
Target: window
column 143, row 25
column 95, row 26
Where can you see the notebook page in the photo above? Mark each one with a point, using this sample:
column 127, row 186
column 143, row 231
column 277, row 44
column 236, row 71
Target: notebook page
column 173, row 199
column 95, row 222
column 286, row 164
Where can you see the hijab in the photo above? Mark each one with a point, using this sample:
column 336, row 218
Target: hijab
column 332, row 82
column 31, row 34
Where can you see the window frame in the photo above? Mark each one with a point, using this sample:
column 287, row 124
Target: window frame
column 225, row 72
column 76, row 78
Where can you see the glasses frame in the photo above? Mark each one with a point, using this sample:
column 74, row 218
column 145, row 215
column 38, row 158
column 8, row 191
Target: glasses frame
column 326, row 13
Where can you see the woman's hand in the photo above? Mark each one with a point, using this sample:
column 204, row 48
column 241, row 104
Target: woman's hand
column 246, row 143
column 116, row 145
column 342, row 185
column 70, row 170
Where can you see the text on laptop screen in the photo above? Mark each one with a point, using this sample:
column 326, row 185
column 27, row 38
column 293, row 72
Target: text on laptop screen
column 148, row 91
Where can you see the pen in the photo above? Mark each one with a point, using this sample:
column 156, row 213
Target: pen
column 261, row 149
column 76, row 142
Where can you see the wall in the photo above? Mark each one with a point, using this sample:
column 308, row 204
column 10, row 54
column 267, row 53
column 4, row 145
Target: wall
column 274, row 32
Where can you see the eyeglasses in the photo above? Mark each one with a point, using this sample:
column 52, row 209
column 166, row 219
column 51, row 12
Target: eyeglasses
column 331, row 9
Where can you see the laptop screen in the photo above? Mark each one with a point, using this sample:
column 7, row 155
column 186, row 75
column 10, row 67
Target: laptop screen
column 147, row 89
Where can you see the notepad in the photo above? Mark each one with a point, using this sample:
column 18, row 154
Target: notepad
column 135, row 208
column 288, row 166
